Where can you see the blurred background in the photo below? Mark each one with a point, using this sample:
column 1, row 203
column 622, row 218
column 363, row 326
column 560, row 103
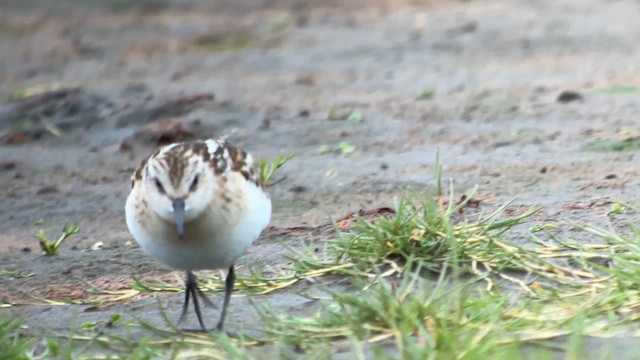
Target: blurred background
column 362, row 93
column 530, row 99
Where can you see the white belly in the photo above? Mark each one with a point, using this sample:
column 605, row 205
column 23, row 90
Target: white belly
column 212, row 241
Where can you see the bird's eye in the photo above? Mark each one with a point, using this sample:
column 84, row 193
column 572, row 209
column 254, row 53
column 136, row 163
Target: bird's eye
column 159, row 185
column 194, row 183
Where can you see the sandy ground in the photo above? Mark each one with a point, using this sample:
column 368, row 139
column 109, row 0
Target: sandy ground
column 478, row 80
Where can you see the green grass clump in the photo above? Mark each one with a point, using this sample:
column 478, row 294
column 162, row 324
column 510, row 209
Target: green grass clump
column 419, row 231
column 12, row 345
column 51, row 247
column 352, row 115
column 628, row 144
column 279, row 23
column 268, row 168
column 17, row 30
column 422, row 230
column 426, row 95
column 409, row 317
column 617, row 89
column 224, row 42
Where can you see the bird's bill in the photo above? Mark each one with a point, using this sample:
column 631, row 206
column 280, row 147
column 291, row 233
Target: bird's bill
column 178, row 210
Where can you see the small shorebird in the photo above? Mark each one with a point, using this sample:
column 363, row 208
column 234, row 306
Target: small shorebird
column 198, row 205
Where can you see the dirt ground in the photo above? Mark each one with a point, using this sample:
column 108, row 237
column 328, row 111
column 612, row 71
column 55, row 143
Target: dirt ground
column 90, row 87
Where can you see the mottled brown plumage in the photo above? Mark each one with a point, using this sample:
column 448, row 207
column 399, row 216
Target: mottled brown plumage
column 226, row 157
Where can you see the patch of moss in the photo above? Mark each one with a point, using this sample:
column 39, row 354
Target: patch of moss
column 8, row 28
column 608, row 145
column 618, row 89
column 218, row 42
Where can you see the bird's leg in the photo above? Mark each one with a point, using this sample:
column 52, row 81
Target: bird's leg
column 206, row 300
column 227, row 296
column 193, row 291
column 187, row 295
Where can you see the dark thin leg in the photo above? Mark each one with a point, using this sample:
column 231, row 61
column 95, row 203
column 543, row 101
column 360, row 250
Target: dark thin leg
column 196, row 305
column 193, row 291
column 231, row 277
column 206, row 300
column 187, row 294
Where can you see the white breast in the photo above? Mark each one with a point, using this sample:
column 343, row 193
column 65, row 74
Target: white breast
column 212, row 241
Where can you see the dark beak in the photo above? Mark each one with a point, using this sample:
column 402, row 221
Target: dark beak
column 178, row 209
